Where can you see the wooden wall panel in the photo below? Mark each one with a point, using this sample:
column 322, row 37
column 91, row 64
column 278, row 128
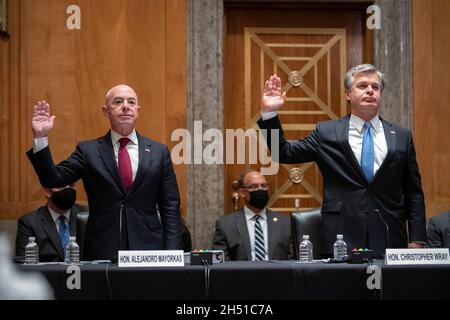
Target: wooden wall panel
column 12, row 137
column 431, row 36
column 294, row 17
column 137, row 42
column 176, row 68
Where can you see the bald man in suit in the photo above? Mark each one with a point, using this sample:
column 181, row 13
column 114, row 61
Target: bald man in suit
column 237, row 233
column 126, row 177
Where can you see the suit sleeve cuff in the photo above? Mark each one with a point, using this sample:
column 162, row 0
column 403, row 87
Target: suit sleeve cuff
column 268, row 115
column 39, row 144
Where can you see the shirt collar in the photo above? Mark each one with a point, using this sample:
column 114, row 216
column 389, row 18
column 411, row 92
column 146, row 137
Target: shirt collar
column 132, row 136
column 55, row 215
column 249, row 214
column 358, row 123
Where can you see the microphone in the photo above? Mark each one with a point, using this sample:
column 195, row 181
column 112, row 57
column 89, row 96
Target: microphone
column 385, row 224
column 120, row 225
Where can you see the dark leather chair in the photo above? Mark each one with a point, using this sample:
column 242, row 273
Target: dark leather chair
column 82, row 219
column 307, row 222
column 186, row 238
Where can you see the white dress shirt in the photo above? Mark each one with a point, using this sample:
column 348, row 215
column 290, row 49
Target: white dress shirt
column 132, row 148
column 356, row 135
column 250, row 218
column 55, row 215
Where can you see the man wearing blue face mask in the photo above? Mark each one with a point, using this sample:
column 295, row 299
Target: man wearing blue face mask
column 51, row 224
column 254, row 232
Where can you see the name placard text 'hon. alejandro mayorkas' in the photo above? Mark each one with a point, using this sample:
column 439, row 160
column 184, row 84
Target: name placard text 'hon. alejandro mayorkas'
column 417, row 256
column 151, row 258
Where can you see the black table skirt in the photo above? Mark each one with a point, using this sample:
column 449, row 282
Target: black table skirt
column 246, row 280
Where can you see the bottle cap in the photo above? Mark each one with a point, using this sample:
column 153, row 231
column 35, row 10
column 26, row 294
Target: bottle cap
column 71, row 238
column 305, row 237
column 339, row 236
column 31, row 238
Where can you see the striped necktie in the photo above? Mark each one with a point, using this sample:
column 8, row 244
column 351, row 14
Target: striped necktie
column 260, row 251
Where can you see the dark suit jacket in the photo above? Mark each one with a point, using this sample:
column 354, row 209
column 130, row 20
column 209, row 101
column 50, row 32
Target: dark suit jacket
column 232, row 237
column 40, row 224
column 154, row 185
column 438, row 231
column 372, row 213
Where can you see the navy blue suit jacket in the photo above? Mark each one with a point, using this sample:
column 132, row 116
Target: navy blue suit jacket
column 39, row 224
column 371, row 213
column 154, row 185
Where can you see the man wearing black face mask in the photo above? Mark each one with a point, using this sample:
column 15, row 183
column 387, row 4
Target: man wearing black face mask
column 254, row 232
column 51, row 225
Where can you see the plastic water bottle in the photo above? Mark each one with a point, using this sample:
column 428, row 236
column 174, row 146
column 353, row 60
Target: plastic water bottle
column 339, row 248
column 306, row 249
column 72, row 251
column 31, row 251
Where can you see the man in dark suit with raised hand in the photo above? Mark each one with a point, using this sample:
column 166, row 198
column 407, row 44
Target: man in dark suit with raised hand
column 254, row 232
column 125, row 175
column 51, row 225
column 372, row 185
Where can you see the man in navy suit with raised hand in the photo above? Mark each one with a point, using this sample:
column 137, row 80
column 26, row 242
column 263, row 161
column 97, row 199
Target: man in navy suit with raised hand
column 372, row 186
column 126, row 177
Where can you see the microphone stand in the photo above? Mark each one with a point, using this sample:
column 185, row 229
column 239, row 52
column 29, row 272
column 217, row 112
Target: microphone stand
column 385, row 224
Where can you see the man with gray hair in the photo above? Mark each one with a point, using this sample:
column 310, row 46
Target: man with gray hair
column 372, row 186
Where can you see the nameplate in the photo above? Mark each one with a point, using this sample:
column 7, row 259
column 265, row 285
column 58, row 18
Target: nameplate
column 417, row 256
column 151, row 258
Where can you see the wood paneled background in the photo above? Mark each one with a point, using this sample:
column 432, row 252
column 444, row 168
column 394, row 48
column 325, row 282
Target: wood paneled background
column 143, row 43
column 139, row 42
column 431, row 47
column 302, row 25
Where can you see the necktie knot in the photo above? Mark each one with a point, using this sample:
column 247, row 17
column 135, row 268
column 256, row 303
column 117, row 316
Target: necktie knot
column 367, row 125
column 123, row 142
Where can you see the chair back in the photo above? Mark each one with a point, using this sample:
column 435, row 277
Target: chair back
column 307, row 222
column 82, row 219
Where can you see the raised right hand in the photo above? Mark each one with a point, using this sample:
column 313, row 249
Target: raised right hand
column 273, row 99
column 41, row 120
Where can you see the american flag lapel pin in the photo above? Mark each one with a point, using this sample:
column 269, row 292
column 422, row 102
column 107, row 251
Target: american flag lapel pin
column 392, row 132
column 147, row 150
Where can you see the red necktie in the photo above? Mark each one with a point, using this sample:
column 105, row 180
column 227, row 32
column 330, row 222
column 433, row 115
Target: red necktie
column 125, row 164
